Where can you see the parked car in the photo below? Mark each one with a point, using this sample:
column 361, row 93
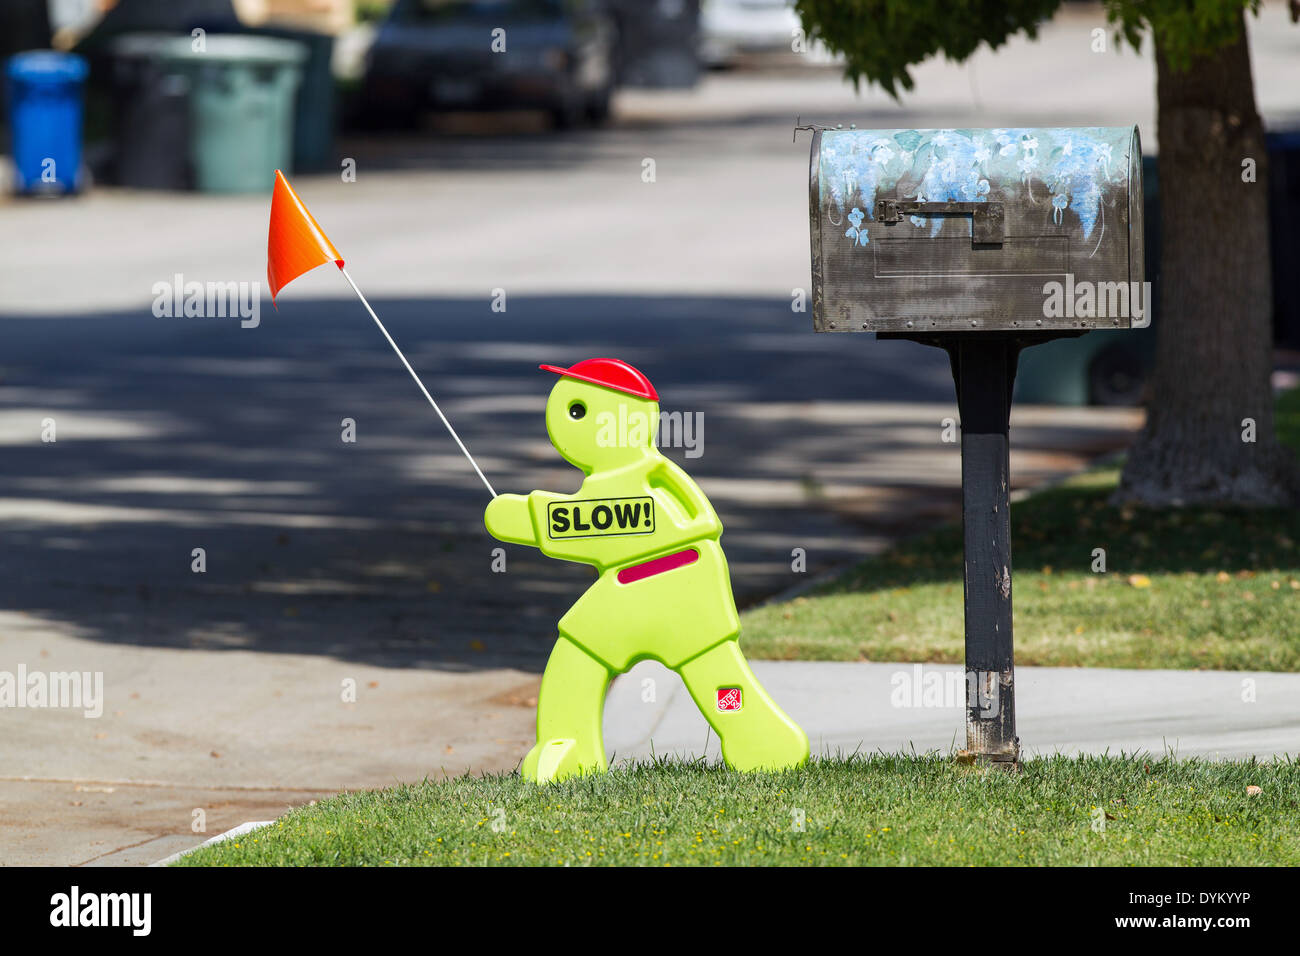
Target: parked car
column 1103, row 367
column 731, row 29
column 470, row 55
column 658, row 43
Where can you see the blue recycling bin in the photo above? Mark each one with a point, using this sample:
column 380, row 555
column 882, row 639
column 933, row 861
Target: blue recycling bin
column 44, row 89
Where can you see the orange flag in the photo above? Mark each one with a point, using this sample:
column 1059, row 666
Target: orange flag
column 296, row 243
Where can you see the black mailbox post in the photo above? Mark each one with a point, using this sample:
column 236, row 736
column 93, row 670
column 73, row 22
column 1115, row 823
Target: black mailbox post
column 981, row 242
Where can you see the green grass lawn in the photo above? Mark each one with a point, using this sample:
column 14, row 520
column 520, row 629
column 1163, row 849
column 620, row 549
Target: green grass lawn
column 865, row 810
column 1195, row 588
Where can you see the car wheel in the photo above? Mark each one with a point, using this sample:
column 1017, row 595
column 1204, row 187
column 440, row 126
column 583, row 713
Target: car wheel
column 598, row 106
column 1116, row 377
column 566, row 114
column 388, row 110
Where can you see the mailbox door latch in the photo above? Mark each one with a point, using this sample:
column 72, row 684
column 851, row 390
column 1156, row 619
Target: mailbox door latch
column 987, row 223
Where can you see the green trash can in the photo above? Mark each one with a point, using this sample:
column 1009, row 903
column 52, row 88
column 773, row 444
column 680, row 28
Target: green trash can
column 241, row 109
column 313, row 124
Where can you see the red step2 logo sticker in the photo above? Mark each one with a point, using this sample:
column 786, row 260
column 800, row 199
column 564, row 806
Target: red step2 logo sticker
column 728, row 698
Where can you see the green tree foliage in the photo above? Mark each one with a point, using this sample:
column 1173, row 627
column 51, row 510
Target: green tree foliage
column 1188, row 29
column 881, row 39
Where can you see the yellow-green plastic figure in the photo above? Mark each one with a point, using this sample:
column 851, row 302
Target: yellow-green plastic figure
column 664, row 591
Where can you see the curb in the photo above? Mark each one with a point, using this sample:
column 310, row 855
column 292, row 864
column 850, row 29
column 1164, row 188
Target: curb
column 229, row 834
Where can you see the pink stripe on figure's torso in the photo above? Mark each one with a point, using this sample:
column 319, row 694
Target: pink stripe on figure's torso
column 658, row 566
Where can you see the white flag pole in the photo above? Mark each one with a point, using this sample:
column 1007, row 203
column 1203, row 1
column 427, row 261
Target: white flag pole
column 478, row 470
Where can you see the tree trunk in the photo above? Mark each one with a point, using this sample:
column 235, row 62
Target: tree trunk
column 1214, row 338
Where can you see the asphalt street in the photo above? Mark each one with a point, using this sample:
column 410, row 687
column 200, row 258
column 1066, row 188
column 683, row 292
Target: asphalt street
column 176, row 434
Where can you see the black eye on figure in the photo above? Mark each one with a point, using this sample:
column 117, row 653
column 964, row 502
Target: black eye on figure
column 577, row 410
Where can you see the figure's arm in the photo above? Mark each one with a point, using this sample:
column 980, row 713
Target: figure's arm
column 508, row 519
column 702, row 520
column 575, row 549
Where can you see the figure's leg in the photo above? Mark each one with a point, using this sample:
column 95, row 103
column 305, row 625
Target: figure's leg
column 755, row 733
column 570, row 707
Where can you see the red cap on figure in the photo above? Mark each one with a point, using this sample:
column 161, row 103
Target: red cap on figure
column 610, row 373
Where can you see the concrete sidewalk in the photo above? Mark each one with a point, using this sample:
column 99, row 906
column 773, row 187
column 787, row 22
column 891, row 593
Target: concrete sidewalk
column 851, row 707
column 239, row 735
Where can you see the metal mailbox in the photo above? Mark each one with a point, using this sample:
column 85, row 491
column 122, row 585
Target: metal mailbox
column 920, row 231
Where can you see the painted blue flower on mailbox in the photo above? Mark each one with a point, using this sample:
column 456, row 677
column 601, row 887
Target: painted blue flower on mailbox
column 855, row 228
column 1066, row 170
column 1059, row 202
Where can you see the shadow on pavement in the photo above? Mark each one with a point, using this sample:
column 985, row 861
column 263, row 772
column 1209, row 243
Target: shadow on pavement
column 183, row 433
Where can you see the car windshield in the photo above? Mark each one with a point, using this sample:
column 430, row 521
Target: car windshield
column 437, row 11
